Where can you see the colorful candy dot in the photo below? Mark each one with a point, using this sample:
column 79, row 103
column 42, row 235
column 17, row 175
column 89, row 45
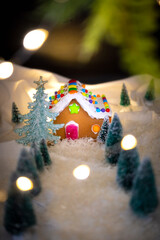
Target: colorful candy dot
column 53, row 97
column 97, row 109
column 90, row 101
column 103, row 110
column 107, row 110
column 96, row 102
column 50, row 107
column 83, row 90
column 62, row 95
column 87, row 95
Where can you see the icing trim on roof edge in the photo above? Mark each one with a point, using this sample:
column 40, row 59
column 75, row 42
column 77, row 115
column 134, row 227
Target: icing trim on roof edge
column 90, row 109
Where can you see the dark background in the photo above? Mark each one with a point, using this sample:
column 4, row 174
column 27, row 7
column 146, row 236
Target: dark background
column 59, row 53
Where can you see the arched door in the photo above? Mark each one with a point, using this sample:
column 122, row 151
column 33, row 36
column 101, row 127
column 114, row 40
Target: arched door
column 72, row 130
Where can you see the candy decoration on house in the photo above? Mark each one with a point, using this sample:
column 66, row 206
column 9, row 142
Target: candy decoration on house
column 36, row 153
column 104, row 131
column 18, row 213
column 144, row 198
column 37, row 125
column 125, row 101
column 26, row 167
column 150, row 93
column 128, row 162
column 16, row 116
column 113, row 140
column 44, row 152
column 80, row 110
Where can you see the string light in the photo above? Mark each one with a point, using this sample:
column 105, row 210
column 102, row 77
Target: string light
column 24, row 184
column 128, row 142
column 35, row 39
column 81, row 172
column 6, row 70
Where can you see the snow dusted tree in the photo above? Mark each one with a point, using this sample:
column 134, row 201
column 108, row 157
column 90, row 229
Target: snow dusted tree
column 45, row 154
column 125, row 101
column 113, row 140
column 150, row 93
column 144, row 198
column 18, row 212
column 104, row 130
column 36, row 153
column 128, row 163
column 26, row 167
column 37, row 125
column 16, row 116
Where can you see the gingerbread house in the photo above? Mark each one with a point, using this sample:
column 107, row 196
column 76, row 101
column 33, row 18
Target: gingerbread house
column 81, row 111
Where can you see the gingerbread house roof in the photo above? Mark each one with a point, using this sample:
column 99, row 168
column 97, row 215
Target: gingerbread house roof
column 95, row 105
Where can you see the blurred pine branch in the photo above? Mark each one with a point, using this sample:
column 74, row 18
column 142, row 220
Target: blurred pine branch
column 130, row 25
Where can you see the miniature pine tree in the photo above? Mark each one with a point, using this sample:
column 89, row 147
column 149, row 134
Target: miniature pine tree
column 128, row 163
column 150, row 93
column 18, row 213
column 144, row 198
column 104, row 131
column 26, row 167
column 16, row 116
column 45, row 154
column 37, row 156
column 125, row 101
column 113, row 140
column 37, row 126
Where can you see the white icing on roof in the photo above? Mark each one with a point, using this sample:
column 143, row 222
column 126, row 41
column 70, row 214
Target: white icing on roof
column 83, row 98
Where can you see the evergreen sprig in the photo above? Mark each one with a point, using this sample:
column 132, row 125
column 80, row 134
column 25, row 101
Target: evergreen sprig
column 130, row 25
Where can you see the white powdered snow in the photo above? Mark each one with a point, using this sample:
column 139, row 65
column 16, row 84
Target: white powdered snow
column 94, row 208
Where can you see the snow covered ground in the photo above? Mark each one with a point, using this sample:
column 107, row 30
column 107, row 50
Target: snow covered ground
column 94, row 208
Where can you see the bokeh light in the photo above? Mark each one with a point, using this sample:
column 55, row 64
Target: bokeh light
column 128, row 142
column 6, row 70
column 35, row 39
column 81, row 172
column 24, row 184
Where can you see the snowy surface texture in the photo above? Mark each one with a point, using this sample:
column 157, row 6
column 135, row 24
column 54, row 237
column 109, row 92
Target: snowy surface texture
column 69, row 209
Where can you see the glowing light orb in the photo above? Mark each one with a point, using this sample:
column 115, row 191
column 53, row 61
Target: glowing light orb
column 24, row 184
column 81, row 172
column 35, row 39
column 129, row 142
column 6, row 70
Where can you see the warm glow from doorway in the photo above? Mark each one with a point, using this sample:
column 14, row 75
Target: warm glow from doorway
column 81, row 172
column 6, row 70
column 129, row 142
column 24, row 184
column 35, row 39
